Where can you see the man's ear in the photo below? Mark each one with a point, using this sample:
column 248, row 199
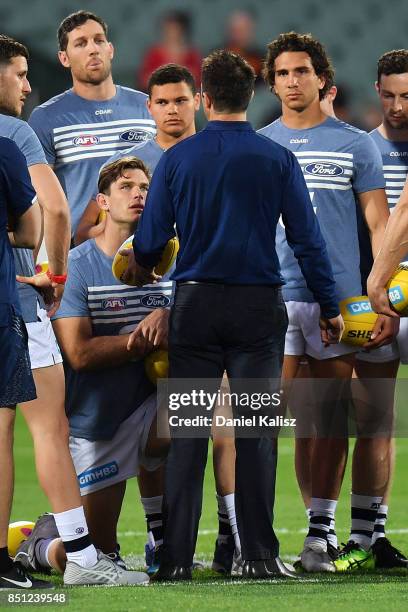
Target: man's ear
column 63, row 58
column 377, row 87
column 102, row 201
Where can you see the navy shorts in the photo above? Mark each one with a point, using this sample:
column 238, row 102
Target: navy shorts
column 16, row 380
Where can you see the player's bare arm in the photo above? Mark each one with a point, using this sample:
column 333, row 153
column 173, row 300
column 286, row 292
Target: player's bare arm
column 87, row 352
column 88, row 226
column 27, row 228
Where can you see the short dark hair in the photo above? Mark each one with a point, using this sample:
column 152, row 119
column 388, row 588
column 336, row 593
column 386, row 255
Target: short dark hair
column 292, row 41
column 392, row 62
column 10, row 48
column 171, row 73
column 111, row 172
column 229, row 81
column 73, row 21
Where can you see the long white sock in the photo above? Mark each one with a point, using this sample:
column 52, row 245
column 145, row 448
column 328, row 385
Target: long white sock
column 154, row 518
column 229, row 501
column 364, row 510
column 379, row 526
column 322, row 513
column 73, row 531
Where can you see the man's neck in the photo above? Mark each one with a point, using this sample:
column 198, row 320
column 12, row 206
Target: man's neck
column 104, row 91
column 113, row 236
column 165, row 141
column 215, row 116
column 389, row 133
column 301, row 120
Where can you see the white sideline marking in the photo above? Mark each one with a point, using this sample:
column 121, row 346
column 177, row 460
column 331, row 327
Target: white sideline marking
column 284, row 531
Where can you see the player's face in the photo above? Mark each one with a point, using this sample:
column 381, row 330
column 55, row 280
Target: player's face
column 14, row 86
column 173, row 107
column 393, row 92
column 88, row 54
column 296, row 82
column 127, row 196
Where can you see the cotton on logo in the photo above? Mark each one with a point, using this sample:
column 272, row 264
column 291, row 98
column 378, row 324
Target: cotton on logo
column 85, row 140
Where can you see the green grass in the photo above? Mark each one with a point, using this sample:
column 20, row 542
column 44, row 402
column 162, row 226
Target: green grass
column 209, row 592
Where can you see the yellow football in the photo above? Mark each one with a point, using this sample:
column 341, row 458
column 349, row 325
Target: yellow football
column 359, row 320
column 101, row 217
column 398, row 289
column 157, row 365
column 120, row 262
column 18, row 532
column 42, row 267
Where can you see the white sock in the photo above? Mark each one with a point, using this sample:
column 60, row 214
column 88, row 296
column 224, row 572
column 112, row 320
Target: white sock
column 73, row 531
column 153, row 511
column 229, row 501
column 152, row 505
column 321, row 516
column 364, row 510
column 332, row 536
column 379, row 526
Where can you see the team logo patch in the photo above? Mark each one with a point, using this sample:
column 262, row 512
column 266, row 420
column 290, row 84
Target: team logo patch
column 135, row 136
column 114, row 304
column 155, row 300
column 324, row 169
column 97, row 474
column 86, row 140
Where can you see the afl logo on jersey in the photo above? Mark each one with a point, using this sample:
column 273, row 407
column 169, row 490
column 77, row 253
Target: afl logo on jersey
column 323, row 169
column 114, row 304
column 135, row 136
column 155, row 300
column 86, row 140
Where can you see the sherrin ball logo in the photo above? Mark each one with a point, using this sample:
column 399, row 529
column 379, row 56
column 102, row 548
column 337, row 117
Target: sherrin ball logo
column 324, row 169
column 86, row 140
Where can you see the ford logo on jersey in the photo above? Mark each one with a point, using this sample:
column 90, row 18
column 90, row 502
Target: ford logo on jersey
column 155, row 300
column 323, row 169
column 114, row 303
column 135, row 136
column 86, row 140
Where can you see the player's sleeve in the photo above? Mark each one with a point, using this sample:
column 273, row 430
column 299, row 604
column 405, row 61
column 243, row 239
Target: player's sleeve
column 28, row 143
column 74, row 301
column 39, row 123
column 156, row 225
column 368, row 171
column 305, row 239
column 19, row 191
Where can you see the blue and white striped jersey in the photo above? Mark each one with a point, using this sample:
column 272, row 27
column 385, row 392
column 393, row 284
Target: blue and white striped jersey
column 97, row 402
column 395, row 165
column 78, row 135
column 338, row 162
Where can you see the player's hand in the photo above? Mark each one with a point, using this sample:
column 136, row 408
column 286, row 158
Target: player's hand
column 384, row 332
column 152, row 331
column 50, row 291
column 379, row 299
column 331, row 330
column 136, row 274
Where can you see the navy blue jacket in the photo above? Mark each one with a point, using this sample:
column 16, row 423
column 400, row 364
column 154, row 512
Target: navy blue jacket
column 224, row 190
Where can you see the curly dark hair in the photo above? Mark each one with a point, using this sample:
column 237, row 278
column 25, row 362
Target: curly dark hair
column 292, row 41
column 10, row 48
column 392, row 62
column 229, row 80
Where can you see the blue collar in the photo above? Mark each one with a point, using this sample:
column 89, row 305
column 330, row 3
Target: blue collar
column 243, row 126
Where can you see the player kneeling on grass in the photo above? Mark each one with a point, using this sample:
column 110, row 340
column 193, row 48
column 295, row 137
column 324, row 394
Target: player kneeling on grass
column 111, row 405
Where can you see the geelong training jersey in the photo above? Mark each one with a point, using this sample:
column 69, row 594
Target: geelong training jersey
column 149, row 152
column 338, row 162
column 97, row 402
column 30, row 146
column 78, row 135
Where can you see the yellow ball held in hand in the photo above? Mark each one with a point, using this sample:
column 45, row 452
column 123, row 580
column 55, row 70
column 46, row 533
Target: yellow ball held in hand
column 398, row 289
column 157, row 365
column 18, row 532
column 359, row 320
column 120, row 262
column 42, row 267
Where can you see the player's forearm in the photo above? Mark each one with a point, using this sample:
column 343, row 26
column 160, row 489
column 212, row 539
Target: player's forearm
column 394, row 245
column 102, row 352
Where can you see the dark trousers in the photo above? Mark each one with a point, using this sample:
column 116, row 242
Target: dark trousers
column 240, row 330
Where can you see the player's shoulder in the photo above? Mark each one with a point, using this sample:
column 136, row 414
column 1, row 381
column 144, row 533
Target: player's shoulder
column 270, row 129
column 347, row 131
column 10, row 126
column 53, row 103
column 133, row 95
column 82, row 252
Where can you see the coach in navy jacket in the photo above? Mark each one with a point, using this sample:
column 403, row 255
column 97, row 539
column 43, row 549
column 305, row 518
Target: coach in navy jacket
column 224, row 190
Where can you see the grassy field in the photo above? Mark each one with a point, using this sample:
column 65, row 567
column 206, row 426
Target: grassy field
column 209, row 592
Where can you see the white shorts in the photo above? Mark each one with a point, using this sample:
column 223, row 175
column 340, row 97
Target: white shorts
column 303, row 334
column 103, row 463
column 396, row 350
column 42, row 344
